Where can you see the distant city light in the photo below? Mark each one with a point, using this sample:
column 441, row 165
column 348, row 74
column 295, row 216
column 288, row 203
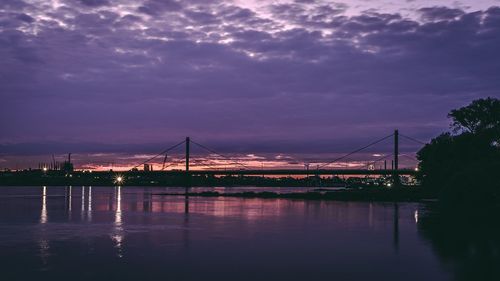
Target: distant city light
column 119, row 179
column 44, row 169
column 388, row 185
column 416, row 169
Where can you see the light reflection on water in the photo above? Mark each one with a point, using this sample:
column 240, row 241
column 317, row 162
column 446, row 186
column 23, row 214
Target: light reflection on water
column 43, row 214
column 132, row 233
column 89, row 208
column 43, row 243
column 118, row 234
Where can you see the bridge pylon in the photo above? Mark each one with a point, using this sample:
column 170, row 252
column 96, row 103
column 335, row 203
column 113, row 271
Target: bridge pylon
column 395, row 175
column 188, row 176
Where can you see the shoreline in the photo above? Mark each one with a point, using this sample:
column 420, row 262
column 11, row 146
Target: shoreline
column 365, row 194
column 176, row 179
column 337, row 195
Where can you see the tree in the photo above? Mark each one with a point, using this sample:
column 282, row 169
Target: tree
column 465, row 166
column 479, row 116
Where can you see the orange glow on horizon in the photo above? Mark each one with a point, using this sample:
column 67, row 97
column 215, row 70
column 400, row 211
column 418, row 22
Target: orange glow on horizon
column 125, row 162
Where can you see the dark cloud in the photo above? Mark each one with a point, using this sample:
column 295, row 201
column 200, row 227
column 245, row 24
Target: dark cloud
column 25, row 18
column 94, row 3
column 440, row 13
column 202, row 17
column 238, row 14
column 309, row 15
column 156, row 7
column 13, row 5
column 305, row 1
column 226, row 74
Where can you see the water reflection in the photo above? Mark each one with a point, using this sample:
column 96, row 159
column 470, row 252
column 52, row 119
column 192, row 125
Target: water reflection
column 137, row 231
column 118, row 233
column 185, row 232
column 147, row 203
column 396, row 227
column 69, row 201
column 43, row 243
column 468, row 243
column 186, row 202
column 82, row 212
column 43, row 214
column 89, row 207
column 370, row 214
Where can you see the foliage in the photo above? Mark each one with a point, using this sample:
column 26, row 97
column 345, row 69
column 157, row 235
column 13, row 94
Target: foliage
column 466, row 166
column 479, row 116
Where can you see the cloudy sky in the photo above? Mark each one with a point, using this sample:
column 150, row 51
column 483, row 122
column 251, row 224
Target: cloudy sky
column 117, row 76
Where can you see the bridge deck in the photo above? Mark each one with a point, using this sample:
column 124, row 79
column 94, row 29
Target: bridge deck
column 303, row 172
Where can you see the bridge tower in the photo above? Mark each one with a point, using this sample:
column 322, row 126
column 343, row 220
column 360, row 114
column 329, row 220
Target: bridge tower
column 187, row 154
column 188, row 176
column 396, row 158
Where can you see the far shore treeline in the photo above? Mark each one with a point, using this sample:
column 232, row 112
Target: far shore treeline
column 462, row 167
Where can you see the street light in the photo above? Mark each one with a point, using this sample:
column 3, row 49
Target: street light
column 119, row 179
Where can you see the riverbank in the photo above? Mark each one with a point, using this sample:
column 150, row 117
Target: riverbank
column 179, row 178
column 369, row 194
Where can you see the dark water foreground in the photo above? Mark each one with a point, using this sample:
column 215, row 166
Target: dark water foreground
column 129, row 233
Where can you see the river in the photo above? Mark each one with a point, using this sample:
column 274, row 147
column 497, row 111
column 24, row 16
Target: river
column 133, row 233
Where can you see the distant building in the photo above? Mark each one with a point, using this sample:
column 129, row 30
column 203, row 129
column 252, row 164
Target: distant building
column 67, row 165
column 148, row 168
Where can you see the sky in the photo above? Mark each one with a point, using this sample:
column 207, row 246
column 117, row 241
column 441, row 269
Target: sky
column 299, row 79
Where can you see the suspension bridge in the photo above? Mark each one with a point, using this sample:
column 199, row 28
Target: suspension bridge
column 239, row 168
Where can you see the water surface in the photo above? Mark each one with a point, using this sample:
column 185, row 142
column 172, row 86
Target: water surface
column 126, row 233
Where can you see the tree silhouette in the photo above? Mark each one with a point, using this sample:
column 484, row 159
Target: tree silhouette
column 463, row 167
column 479, row 116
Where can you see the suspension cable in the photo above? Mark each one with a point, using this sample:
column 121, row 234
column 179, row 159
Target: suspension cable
column 379, row 159
column 355, row 151
column 216, row 153
column 410, row 157
column 173, row 163
column 161, row 153
column 213, row 164
column 412, row 139
column 200, row 162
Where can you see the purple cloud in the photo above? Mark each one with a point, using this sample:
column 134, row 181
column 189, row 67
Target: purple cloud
column 304, row 72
